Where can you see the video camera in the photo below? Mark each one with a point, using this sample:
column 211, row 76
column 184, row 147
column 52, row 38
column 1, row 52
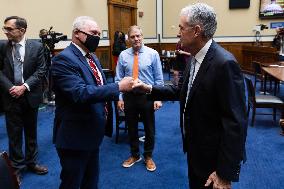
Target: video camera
column 263, row 26
column 49, row 38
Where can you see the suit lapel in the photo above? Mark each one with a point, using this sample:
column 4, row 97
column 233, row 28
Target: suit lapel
column 202, row 70
column 96, row 60
column 82, row 59
column 28, row 50
column 85, row 63
column 185, row 82
column 10, row 55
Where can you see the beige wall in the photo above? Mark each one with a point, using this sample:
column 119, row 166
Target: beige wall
column 149, row 21
column 231, row 22
column 57, row 13
column 60, row 14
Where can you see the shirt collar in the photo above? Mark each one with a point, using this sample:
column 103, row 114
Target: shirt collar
column 22, row 42
column 80, row 49
column 141, row 50
column 202, row 53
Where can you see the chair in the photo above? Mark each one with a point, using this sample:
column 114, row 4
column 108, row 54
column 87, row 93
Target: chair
column 258, row 75
column 261, row 101
column 119, row 118
column 8, row 177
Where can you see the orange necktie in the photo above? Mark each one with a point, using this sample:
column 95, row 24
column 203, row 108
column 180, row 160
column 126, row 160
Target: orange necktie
column 135, row 66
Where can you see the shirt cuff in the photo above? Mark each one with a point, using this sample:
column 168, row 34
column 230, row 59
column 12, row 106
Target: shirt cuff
column 120, row 96
column 27, row 86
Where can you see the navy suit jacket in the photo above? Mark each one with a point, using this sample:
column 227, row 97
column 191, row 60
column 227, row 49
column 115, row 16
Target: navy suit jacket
column 80, row 103
column 34, row 70
column 215, row 116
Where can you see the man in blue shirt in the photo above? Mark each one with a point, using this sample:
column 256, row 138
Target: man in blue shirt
column 149, row 70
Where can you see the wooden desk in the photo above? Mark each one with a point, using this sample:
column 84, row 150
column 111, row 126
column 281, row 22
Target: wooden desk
column 272, row 64
column 276, row 72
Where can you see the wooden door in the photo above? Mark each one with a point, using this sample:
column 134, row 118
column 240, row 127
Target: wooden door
column 122, row 15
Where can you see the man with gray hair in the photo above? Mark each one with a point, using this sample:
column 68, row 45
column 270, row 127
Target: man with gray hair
column 81, row 92
column 212, row 103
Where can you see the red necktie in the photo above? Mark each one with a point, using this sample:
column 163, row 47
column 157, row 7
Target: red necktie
column 94, row 68
column 96, row 74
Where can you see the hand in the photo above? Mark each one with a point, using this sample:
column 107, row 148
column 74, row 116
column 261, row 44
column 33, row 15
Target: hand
column 17, row 91
column 125, row 85
column 218, row 183
column 141, row 87
column 157, row 105
column 120, row 105
column 177, row 52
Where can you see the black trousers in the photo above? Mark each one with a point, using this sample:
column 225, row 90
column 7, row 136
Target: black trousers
column 22, row 118
column 195, row 180
column 135, row 104
column 80, row 169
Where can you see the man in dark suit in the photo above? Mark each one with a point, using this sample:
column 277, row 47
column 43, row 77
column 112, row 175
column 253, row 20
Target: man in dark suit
column 22, row 69
column 81, row 92
column 212, row 103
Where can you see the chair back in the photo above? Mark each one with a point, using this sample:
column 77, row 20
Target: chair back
column 251, row 90
column 258, row 75
column 8, row 177
column 256, row 67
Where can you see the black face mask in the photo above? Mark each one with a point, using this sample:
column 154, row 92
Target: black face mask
column 91, row 42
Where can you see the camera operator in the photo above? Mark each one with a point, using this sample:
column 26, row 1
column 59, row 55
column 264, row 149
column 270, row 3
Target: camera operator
column 49, row 38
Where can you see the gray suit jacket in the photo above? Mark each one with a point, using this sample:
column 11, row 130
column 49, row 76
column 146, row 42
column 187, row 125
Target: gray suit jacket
column 34, row 70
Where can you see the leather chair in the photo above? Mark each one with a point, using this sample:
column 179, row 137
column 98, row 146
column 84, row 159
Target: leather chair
column 119, row 119
column 8, row 177
column 261, row 101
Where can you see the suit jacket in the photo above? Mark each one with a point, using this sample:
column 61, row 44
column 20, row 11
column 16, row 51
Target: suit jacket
column 34, row 70
column 80, row 103
column 215, row 116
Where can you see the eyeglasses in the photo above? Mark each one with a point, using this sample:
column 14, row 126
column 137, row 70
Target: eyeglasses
column 8, row 29
column 95, row 34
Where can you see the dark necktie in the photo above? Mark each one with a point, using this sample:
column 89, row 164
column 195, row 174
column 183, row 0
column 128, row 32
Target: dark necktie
column 94, row 68
column 18, row 75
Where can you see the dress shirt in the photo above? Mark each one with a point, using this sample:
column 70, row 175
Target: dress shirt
column 84, row 54
column 22, row 51
column 150, row 67
column 199, row 57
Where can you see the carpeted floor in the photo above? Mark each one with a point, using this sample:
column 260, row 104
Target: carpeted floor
column 264, row 168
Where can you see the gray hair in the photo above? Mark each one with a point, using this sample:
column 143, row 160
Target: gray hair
column 81, row 21
column 203, row 15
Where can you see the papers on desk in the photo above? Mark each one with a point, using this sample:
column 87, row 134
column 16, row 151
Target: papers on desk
column 276, row 65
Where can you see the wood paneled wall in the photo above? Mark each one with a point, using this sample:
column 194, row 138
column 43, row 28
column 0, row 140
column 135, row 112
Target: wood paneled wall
column 243, row 51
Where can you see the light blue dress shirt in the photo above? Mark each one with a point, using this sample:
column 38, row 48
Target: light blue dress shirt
column 149, row 66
